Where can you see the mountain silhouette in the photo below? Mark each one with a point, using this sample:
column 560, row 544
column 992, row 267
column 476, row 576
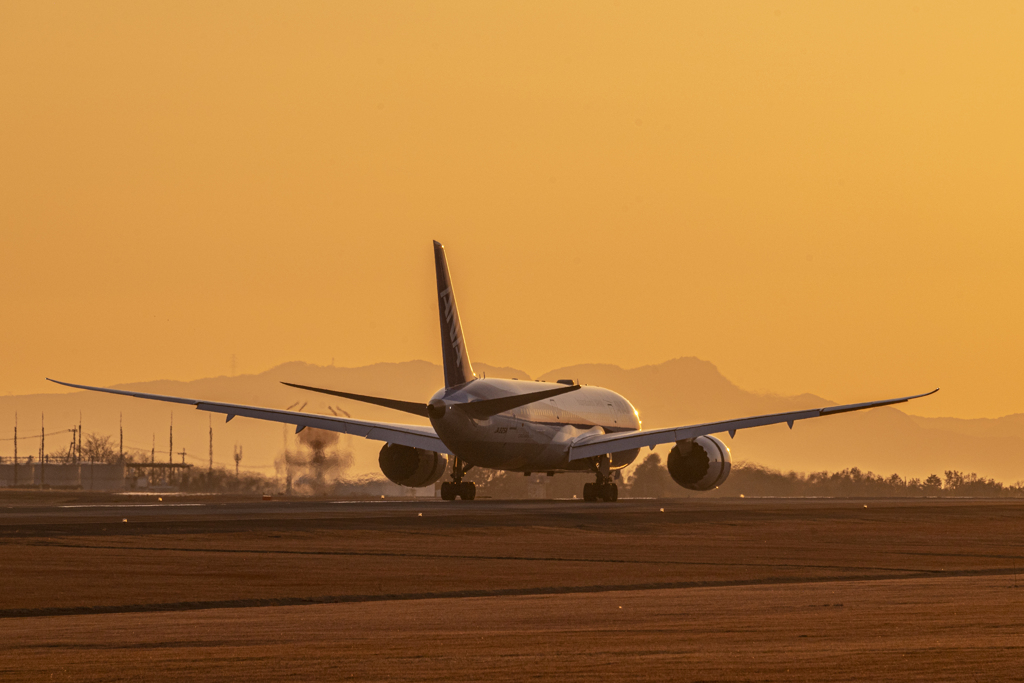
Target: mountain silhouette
column 676, row 392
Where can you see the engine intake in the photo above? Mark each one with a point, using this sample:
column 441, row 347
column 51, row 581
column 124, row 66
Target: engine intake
column 700, row 464
column 413, row 467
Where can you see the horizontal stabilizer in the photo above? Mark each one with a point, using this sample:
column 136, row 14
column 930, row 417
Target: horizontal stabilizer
column 405, row 406
column 492, row 406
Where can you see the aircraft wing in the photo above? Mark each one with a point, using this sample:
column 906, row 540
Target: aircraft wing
column 404, row 435
column 599, row 444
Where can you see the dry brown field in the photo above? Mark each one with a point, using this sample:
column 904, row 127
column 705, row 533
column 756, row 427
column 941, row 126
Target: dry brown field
column 219, row 589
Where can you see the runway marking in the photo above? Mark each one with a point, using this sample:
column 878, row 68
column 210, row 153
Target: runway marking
column 386, row 501
column 486, row 558
column 21, row 613
column 138, row 505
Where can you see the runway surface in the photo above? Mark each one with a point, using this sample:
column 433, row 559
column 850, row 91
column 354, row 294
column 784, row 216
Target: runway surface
column 408, row 590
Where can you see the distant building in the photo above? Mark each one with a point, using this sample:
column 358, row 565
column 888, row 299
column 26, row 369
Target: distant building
column 87, row 477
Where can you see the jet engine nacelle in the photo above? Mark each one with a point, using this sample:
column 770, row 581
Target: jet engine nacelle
column 700, row 464
column 413, row 467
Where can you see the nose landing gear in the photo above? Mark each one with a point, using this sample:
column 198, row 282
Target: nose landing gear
column 456, row 488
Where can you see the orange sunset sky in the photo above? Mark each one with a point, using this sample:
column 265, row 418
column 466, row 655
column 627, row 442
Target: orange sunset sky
column 816, row 197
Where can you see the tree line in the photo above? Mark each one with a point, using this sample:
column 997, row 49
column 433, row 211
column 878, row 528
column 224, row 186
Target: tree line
column 648, row 479
column 651, row 479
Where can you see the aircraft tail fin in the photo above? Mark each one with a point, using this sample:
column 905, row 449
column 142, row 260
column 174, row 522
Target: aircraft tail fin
column 457, row 368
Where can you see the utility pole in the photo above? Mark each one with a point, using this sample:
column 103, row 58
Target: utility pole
column 79, row 436
column 120, row 447
column 182, row 454
column 92, row 473
column 92, row 457
column 42, row 449
column 15, row 449
column 238, row 459
column 170, row 452
column 152, row 455
column 211, row 444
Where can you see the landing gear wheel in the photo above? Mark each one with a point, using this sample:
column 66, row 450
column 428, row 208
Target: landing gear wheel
column 610, row 492
column 456, row 488
column 467, row 490
column 602, row 489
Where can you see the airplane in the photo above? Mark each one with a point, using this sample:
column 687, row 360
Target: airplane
column 516, row 425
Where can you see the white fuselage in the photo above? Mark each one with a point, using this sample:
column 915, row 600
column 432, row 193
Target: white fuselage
column 534, row 437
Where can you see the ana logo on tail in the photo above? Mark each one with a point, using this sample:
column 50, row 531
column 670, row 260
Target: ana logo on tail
column 453, row 324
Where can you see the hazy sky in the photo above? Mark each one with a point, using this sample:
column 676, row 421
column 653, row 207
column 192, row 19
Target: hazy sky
column 816, row 197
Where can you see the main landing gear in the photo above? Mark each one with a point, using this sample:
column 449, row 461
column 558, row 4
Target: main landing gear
column 604, row 488
column 601, row 490
column 456, row 488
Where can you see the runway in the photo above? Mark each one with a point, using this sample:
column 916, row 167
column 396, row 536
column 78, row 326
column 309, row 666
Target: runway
column 74, row 512
column 405, row 590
